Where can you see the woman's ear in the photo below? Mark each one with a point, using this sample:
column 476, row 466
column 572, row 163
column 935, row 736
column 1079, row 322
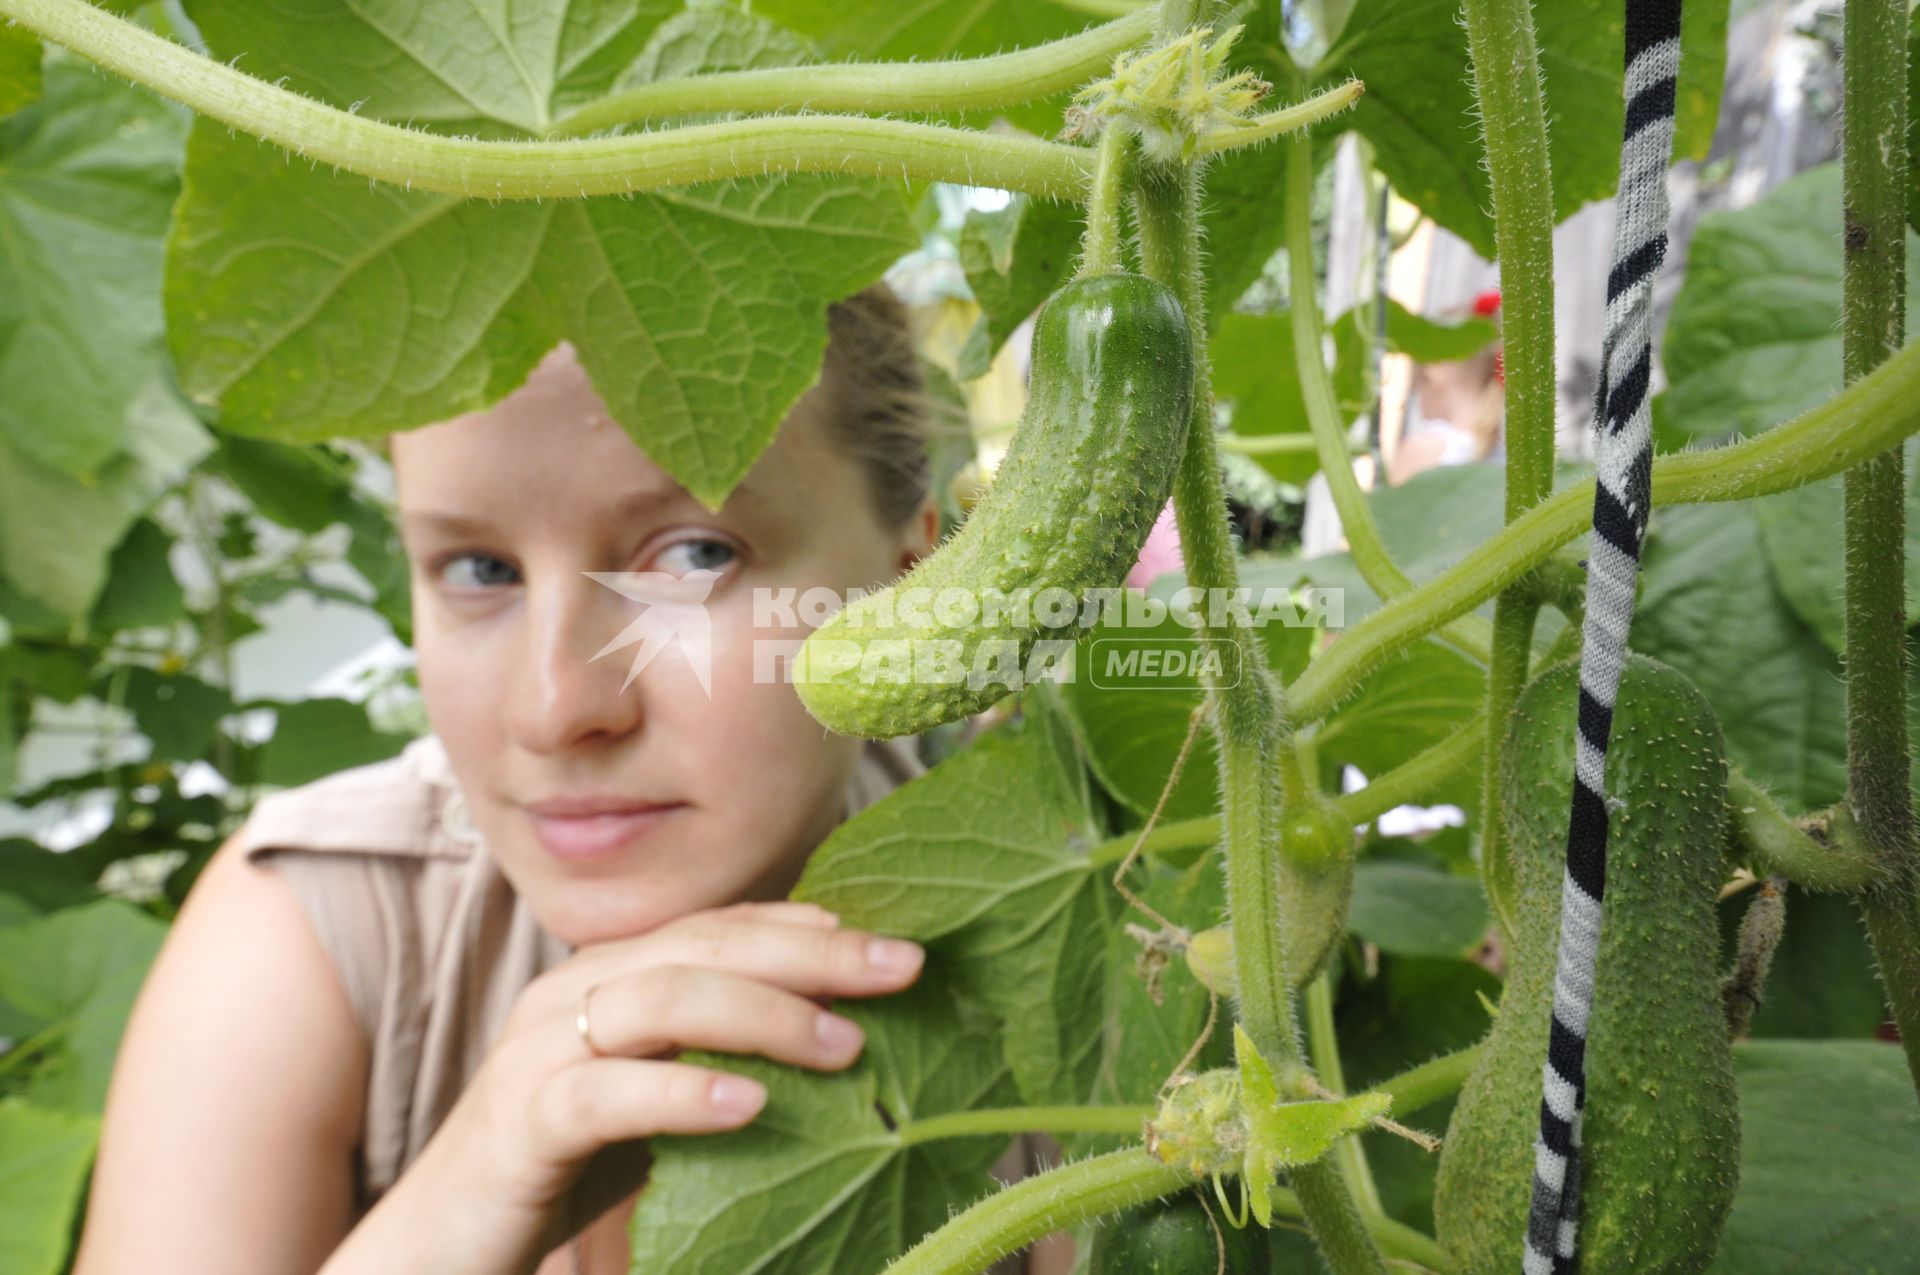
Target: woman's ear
column 921, row 533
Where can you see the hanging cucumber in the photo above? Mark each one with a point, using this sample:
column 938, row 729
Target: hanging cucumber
column 1660, row 1150
column 1091, row 466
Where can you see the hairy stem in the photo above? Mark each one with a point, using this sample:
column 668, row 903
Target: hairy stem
column 1249, row 722
column 1100, row 247
column 1420, row 1087
column 575, row 168
column 1781, row 845
column 1871, row 415
column 1469, row 633
column 1078, row 1190
column 1873, row 327
column 1055, row 1200
column 1513, row 127
column 964, row 1124
column 875, row 88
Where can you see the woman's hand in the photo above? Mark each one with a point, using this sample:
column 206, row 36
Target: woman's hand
column 494, row 1189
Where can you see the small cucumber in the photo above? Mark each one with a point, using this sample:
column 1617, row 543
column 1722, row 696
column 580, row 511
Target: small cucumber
column 1660, row 1151
column 1091, row 466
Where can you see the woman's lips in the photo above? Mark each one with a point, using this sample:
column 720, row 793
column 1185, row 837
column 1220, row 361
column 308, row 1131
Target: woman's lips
column 582, row 829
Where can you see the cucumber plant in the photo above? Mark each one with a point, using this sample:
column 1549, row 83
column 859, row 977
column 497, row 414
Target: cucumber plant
column 538, row 184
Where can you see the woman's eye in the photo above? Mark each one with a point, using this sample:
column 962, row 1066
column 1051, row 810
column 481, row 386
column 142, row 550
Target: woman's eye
column 697, row 555
column 477, row 571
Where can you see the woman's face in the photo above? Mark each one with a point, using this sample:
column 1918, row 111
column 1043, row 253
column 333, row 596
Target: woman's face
column 615, row 810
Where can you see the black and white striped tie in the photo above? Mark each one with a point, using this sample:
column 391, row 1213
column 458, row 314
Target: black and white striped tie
column 1623, row 457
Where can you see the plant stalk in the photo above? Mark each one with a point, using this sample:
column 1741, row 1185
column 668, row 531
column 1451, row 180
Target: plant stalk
column 1079, row 1190
column 874, row 88
column 1249, row 723
column 1873, row 326
column 1513, row 127
column 1873, row 414
column 577, row 168
column 1068, row 1119
column 1782, row 845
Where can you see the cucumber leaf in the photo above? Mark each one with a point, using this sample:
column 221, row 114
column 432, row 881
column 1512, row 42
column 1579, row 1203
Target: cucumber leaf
column 1829, row 1160
column 44, row 1160
column 1418, row 110
column 77, row 970
column 307, row 304
column 822, row 1179
column 1754, row 335
column 87, row 177
column 985, row 860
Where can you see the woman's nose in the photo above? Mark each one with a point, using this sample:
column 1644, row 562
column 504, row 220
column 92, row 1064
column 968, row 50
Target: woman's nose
column 566, row 693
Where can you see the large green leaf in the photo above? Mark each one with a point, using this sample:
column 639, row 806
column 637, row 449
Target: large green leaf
column 1419, row 108
column 87, row 176
column 1754, row 335
column 1710, row 609
column 44, row 1159
column 58, row 532
column 77, row 971
column 985, row 860
column 699, row 312
column 822, row 1180
column 1829, row 1161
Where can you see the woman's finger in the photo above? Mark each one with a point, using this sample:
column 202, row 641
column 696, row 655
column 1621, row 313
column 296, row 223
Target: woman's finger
column 676, row 1007
column 810, row 960
column 603, row 1100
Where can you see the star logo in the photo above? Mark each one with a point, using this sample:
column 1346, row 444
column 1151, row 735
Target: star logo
column 675, row 612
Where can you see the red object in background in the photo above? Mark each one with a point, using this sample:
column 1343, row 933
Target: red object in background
column 1484, row 305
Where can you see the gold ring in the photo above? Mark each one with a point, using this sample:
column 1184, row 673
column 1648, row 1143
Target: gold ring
column 581, row 1025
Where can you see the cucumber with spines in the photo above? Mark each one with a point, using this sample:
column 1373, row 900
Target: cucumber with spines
column 1091, row 466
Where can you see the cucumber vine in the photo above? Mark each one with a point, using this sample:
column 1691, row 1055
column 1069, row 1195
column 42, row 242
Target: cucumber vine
column 1156, row 100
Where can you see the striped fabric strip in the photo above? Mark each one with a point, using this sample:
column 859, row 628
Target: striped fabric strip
column 1623, row 455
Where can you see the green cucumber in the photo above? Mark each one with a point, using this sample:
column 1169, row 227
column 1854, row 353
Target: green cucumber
column 1172, row 1236
column 1660, row 1155
column 1091, row 465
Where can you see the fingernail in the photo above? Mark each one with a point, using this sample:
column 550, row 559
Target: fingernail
column 736, row 1095
column 839, row 1035
column 895, row 956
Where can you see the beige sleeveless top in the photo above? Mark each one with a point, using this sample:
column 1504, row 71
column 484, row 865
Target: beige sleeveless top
column 431, row 942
